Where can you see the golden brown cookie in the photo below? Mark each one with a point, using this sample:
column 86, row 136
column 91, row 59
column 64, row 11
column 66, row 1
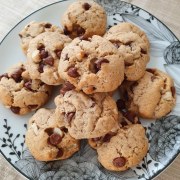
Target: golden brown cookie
column 20, row 93
column 124, row 150
column 134, row 45
column 151, row 97
column 84, row 18
column 86, row 116
column 47, row 140
column 92, row 65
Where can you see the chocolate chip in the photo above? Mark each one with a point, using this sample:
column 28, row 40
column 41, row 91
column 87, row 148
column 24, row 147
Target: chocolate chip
column 41, row 47
column 4, row 75
column 86, row 6
column 116, row 45
column 48, row 25
column 119, row 161
column 49, row 61
column 59, row 153
column 58, row 53
column 15, row 110
column 17, row 75
column 72, row 72
column 66, row 57
column 33, row 106
column 66, row 31
column 151, row 70
column 96, row 139
column 43, row 54
column 54, row 139
column 99, row 62
column 128, row 63
column 108, row 137
column 20, row 35
column 143, row 51
column 92, row 66
column 41, row 68
column 69, row 116
column 49, row 131
column 121, row 104
column 67, row 86
column 173, row 90
column 28, row 84
column 80, row 31
column 124, row 123
column 128, row 43
column 130, row 116
column 64, row 129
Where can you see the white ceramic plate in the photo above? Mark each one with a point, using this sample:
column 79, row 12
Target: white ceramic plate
column 163, row 135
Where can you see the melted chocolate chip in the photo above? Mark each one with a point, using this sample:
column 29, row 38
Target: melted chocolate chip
column 92, row 66
column 49, row 131
column 130, row 116
column 86, row 6
column 4, row 75
column 128, row 43
column 121, row 104
column 54, row 139
column 43, row 54
column 64, row 129
column 28, row 84
column 72, row 72
column 49, row 61
column 67, row 86
column 69, row 116
column 173, row 90
column 15, row 110
column 80, row 31
column 58, row 53
column 59, row 153
column 32, row 106
column 99, row 62
column 119, row 161
column 41, row 47
column 48, row 25
column 17, row 75
column 41, row 68
column 108, row 137
column 66, row 31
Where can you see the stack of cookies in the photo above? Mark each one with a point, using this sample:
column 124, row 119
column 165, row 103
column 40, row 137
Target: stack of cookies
column 90, row 64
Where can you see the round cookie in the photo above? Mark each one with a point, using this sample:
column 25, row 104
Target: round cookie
column 48, row 140
column 124, row 150
column 86, row 116
column 20, row 93
column 92, row 65
column 151, row 97
column 84, row 18
column 43, row 56
column 33, row 29
column 134, row 45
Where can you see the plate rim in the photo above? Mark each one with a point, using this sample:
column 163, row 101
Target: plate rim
column 59, row 1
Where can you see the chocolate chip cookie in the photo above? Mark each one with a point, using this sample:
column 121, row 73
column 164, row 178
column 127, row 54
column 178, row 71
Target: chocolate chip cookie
column 43, row 56
column 124, row 150
column 86, row 116
column 84, row 18
column 33, row 29
column 20, row 93
column 153, row 96
column 47, row 140
column 134, row 45
column 92, row 65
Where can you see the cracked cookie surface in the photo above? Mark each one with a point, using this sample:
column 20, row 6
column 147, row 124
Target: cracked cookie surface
column 33, row 29
column 153, row 96
column 48, row 140
column 92, row 65
column 43, row 57
column 124, row 150
column 84, row 18
column 86, row 116
column 134, row 45
column 20, row 93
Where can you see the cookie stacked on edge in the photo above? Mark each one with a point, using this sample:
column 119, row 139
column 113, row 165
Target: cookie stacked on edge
column 90, row 64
